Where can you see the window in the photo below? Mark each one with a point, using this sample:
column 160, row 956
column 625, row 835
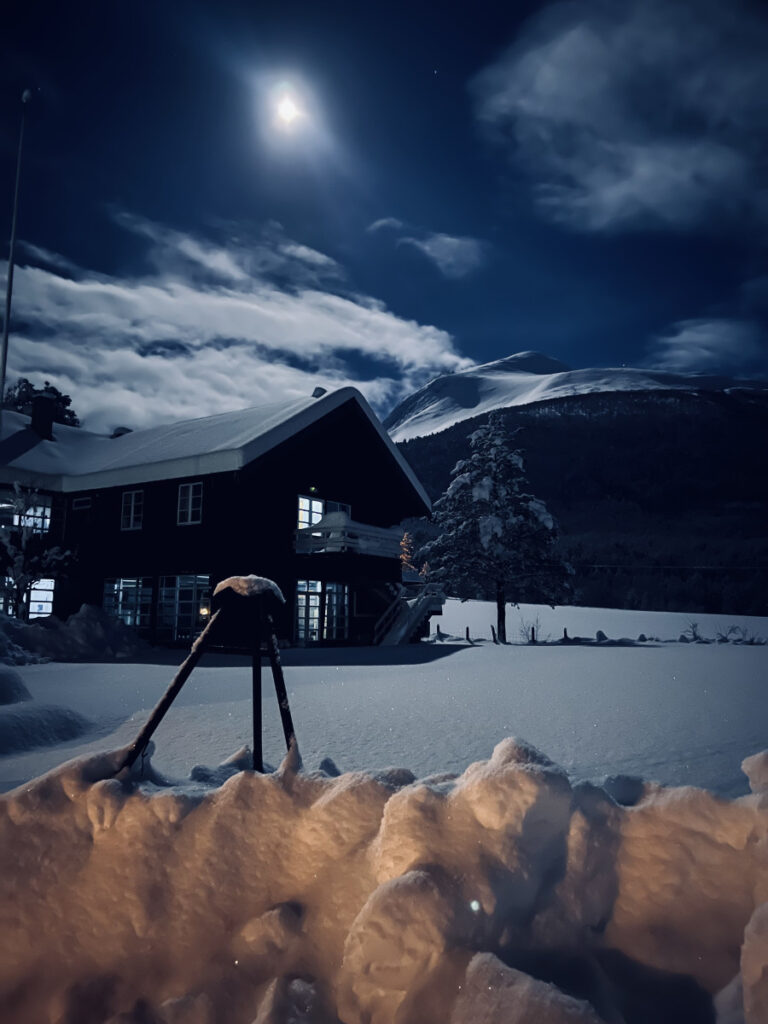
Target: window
column 336, row 620
column 132, row 513
column 312, row 510
column 183, row 606
column 41, row 599
column 322, row 611
column 190, row 508
column 130, row 600
column 35, row 517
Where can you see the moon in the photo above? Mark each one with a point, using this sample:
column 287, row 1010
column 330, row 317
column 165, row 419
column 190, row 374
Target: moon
column 287, row 110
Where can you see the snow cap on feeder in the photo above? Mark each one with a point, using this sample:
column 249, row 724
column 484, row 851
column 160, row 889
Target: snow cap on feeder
column 250, row 586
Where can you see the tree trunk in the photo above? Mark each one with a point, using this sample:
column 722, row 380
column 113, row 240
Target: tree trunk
column 501, row 612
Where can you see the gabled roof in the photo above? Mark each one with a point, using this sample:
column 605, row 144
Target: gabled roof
column 78, row 460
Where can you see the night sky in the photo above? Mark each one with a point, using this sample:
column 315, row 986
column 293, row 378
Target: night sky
column 588, row 180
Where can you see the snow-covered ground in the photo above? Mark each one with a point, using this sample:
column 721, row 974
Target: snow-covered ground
column 501, row 891
column 673, row 712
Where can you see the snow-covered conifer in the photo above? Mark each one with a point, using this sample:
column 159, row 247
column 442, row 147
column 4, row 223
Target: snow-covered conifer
column 495, row 536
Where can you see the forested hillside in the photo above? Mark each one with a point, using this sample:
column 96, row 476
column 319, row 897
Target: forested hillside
column 662, row 498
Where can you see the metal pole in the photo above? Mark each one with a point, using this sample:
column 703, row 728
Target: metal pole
column 25, row 97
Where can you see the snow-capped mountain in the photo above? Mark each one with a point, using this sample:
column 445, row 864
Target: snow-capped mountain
column 529, row 377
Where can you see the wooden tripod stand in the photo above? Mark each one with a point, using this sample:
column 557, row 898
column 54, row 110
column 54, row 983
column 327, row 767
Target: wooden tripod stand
column 212, row 631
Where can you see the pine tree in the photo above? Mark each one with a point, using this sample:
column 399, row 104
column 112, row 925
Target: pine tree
column 495, row 537
column 20, row 396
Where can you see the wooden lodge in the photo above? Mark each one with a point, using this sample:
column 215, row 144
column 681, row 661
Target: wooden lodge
column 308, row 493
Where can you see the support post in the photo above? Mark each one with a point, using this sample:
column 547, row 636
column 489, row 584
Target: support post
column 139, row 745
column 258, row 759
column 279, row 678
column 493, row 634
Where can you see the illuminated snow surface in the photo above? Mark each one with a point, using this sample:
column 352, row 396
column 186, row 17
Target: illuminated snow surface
column 500, row 891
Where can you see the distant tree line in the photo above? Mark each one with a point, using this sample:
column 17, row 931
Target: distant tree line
column 661, row 498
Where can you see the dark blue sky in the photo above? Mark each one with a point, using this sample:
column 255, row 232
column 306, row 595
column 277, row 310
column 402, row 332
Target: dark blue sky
column 587, row 180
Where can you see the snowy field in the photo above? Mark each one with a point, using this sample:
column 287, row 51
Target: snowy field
column 501, row 891
column 673, row 712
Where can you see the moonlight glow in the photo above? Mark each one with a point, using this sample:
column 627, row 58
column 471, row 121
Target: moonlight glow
column 287, row 110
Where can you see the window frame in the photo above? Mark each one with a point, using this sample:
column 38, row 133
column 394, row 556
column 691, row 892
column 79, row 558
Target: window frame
column 185, row 501
column 315, row 508
column 133, row 519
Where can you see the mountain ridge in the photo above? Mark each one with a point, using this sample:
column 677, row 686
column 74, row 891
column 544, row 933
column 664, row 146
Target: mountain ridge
column 525, row 378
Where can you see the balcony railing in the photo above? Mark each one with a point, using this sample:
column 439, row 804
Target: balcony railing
column 336, row 533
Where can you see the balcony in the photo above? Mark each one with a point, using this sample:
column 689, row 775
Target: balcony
column 336, row 533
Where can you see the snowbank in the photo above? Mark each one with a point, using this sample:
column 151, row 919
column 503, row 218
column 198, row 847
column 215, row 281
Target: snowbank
column 12, row 688
column 39, row 725
column 89, row 634
column 504, row 894
column 33, row 724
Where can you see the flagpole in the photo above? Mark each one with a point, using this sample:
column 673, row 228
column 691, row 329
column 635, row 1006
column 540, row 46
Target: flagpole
column 25, row 98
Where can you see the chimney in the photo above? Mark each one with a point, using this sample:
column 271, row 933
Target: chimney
column 43, row 408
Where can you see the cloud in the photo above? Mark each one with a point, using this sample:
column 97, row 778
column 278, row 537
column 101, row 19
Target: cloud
column 39, row 255
column 454, row 256
column 636, row 114
column 727, row 346
column 385, row 222
column 232, row 259
column 212, row 327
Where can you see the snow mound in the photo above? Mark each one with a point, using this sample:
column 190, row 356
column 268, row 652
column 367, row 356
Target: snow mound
column 12, row 688
column 88, row 635
column 314, row 899
column 250, row 586
column 38, row 725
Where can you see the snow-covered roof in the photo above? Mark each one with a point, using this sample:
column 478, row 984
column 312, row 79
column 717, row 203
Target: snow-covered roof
column 78, row 460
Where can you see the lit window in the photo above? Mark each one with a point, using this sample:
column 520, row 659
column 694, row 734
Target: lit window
column 41, row 599
column 312, row 510
column 129, row 599
column 183, row 606
column 132, row 514
column 190, row 508
column 322, row 611
column 35, row 517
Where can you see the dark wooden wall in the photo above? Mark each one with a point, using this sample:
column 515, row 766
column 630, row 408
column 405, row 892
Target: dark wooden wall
column 249, row 518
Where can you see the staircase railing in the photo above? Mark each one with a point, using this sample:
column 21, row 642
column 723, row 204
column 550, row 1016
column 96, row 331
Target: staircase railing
column 390, row 613
column 412, row 613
